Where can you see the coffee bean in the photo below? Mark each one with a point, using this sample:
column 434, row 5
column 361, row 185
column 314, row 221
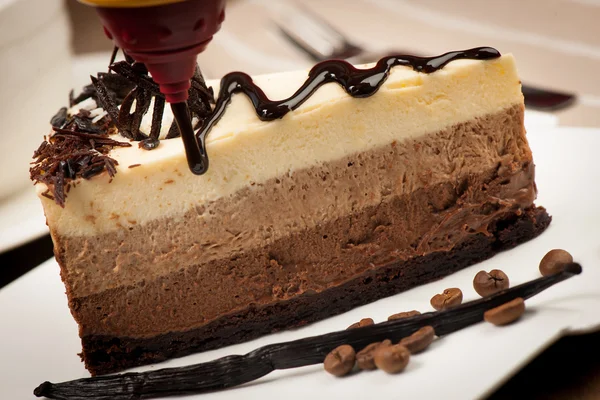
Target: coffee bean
column 554, row 261
column 362, row 323
column 391, row 359
column 365, row 358
column 340, row 361
column 488, row 283
column 419, row 340
column 506, row 313
column 449, row 298
column 405, row 314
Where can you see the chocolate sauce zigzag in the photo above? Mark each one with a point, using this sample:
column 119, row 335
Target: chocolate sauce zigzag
column 356, row 82
column 129, row 81
column 236, row 370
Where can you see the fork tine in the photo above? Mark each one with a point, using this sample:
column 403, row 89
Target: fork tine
column 326, row 28
column 314, row 36
column 301, row 44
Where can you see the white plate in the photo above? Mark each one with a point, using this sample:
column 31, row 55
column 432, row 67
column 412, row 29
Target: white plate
column 40, row 338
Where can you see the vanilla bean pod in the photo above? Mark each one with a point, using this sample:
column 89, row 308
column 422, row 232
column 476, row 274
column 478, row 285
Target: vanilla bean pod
column 239, row 369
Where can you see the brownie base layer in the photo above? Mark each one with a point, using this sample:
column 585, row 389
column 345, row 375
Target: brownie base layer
column 104, row 354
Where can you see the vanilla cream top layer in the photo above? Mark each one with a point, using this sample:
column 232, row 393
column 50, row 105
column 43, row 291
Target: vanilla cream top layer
column 244, row 150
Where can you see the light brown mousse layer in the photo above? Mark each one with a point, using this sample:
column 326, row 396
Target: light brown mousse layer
column 175, row 276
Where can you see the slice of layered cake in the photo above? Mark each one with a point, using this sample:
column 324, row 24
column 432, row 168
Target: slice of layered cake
column 358, row 193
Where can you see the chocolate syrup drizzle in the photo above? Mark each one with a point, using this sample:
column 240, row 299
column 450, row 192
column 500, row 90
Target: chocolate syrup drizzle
column 356, row 82
column 236, row 370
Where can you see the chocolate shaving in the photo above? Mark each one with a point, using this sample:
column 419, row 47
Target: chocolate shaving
column 47, row 195
column 149, row 144
column 117, row 85
column 83, row 113
column 88, row 92
column 126, row 70
column 59, row 118
column 173, row 131
column 124, row 117
column 157, row 115
column 110, row 165
column 103, row 140
column 200, row 98
column 199, row 102
column 113, row 56
column 142, row 104
column 128, row 58
column 69, row 154
column 59, row 187
column 198, row 85
column 40, row 150
column 139, row 68
column 85, row 123
column 79, row 147
column 105, row 99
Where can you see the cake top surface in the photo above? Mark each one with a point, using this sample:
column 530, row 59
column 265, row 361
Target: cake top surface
column 246, row 150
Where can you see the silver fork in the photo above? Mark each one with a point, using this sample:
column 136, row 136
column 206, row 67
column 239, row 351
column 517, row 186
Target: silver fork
column 319, row 40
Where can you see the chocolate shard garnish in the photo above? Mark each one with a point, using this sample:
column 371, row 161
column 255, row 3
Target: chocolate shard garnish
column 105, row 99
column 83, row 113
column 41, row 149
column 198, row 84
column 84, row 123
column 126, row 70
column 149, row 144
column 101, row 139
column 236, row 370
column 113, row 55
column 80, row 144
column 199, row 102
column 59, row 192
column 70, row 153
column 139, row 68
column 110, row 166
column 157, row 115
column 173, row 131
column 88, row 91
column 128, row 58
column 129, row 76
column 47, row 195
column 124, row 116
column 142, row 104
column 117, row 85
column 60, row 118
column 200, row 98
